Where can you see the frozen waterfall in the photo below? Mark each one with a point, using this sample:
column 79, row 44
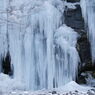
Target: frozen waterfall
column 42, row 48
column 88, row 11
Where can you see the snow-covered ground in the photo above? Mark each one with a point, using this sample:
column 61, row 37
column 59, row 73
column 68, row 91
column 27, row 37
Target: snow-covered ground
column 72, row 88
column 9, row 86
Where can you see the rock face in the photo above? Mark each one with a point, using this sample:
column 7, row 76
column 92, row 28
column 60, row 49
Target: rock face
column 73, row 18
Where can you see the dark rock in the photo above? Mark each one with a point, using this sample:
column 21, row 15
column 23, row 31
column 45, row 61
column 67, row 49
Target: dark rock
column 87, row 77
column 73, row 19
column 76, row 91
column 73, row 1
column 81, row 79
column 6, row 65
column 54, row 92
column 84, row 52
column 93, row 90
column 87, row 67
column 90, row 93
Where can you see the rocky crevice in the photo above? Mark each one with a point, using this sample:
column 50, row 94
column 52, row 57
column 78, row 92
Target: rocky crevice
column 73, row 19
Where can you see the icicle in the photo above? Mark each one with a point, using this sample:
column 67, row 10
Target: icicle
column 67, row 57
column 41, row 33
column 88, row 10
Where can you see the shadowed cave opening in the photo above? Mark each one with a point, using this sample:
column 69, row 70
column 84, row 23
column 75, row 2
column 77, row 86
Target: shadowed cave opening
column 6, row 64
